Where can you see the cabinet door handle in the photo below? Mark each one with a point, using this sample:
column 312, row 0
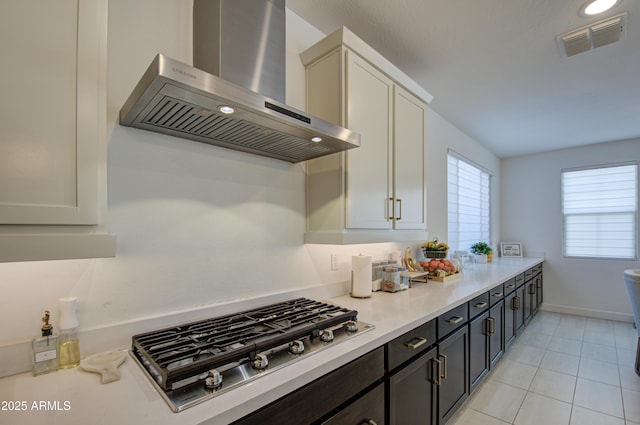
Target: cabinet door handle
column 444, row 365
column 438, row 373
column 516, row 303
column 491, row 325
column 399, row 202
column 416, row 342
column 391, row 206
column 532, row 290
column 480, row 305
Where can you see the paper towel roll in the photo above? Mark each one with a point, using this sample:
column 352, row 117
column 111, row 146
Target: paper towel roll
column 361, row 276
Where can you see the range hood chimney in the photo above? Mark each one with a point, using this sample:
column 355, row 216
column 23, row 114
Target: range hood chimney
column 239, row 65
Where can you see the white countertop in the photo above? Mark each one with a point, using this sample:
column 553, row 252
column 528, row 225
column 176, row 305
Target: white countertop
column 70, row 397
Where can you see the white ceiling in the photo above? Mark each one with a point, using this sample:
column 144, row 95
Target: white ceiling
column 495, row 69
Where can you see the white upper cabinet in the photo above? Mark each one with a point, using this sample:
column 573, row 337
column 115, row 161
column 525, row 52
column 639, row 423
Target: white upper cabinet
column 377, row 192
column 52, row 138
column 369, row 97
column 409, row 160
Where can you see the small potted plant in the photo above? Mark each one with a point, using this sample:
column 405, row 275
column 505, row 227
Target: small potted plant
column 483, row 252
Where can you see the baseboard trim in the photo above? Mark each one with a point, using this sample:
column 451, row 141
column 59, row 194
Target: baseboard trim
column 596, row 314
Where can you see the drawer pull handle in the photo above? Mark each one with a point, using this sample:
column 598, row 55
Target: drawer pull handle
column 497, row 294
column 416, row 342
column 480, row 305
column 511, row 286
column 370, row 422
column 455, row 320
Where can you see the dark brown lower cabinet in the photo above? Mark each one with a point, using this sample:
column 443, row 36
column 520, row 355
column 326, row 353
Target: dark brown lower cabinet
column 495, row 323
column 539, row 285
column 478, row 349
column 530, row 300
column 412, row 392
column 453, row 381
column 367, row 410
column 326, row 397
column 509, row 318
column 519, row 308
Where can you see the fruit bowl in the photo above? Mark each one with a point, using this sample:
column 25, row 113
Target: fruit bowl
column 439, row 267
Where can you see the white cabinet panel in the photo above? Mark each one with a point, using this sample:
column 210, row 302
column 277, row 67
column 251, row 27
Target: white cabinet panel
column 369, row 99
column 409, row 159
column 53, row 128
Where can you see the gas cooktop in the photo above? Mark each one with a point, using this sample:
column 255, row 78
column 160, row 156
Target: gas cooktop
column 196, row 361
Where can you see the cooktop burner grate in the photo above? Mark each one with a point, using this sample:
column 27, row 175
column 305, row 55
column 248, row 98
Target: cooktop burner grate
column 173, row 355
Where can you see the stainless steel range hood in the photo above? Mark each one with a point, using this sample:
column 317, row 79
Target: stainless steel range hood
column 187, row 102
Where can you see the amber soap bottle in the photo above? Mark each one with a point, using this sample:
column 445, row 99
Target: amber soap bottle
column 68, row 341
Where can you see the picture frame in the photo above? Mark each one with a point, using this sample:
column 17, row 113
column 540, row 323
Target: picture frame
column 510, row 249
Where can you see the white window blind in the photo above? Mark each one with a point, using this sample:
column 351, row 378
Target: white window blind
column 468, row 203
column 599, row 208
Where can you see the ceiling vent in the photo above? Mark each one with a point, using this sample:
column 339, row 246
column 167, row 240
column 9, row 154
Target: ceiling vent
column 598, row 34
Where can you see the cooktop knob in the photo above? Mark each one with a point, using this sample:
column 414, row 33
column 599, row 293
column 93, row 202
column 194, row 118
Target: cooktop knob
column 296, row 347
column 261, row 361
column 213, row 380
column 326, row 335
column 351, row 326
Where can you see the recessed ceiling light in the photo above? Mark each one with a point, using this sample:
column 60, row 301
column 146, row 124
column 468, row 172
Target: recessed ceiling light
column 316, row 139
column 226, row 109
column 595, row 7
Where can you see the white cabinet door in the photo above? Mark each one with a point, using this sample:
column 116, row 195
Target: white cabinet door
column 52, row 98
column 409, row 160
column 52, row 137
column 369, row 101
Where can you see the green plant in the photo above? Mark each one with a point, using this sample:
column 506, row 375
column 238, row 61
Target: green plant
column 480, row 248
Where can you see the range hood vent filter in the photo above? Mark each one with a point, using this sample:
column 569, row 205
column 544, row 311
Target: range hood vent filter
column 175, row 116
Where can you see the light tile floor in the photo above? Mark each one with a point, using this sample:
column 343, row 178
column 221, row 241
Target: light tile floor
column 562, row 370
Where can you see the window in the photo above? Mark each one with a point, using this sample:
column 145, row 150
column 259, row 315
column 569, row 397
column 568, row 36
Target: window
column 599, row 209
column 468, row 203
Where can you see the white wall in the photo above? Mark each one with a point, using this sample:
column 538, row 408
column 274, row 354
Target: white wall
column 532, row 214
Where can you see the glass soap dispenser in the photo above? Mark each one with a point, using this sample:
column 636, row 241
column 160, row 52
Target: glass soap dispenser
column 45, row 349
column 68, row 342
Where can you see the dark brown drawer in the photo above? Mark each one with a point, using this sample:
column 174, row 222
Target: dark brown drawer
column 519, row 279
column 496, row 294
column 327, row 393
column 452, row 320
column 528, row 274
column 478, row 305
column 510, row 286
column 410, row 344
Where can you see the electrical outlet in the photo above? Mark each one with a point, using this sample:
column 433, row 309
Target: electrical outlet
column 334, row 262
